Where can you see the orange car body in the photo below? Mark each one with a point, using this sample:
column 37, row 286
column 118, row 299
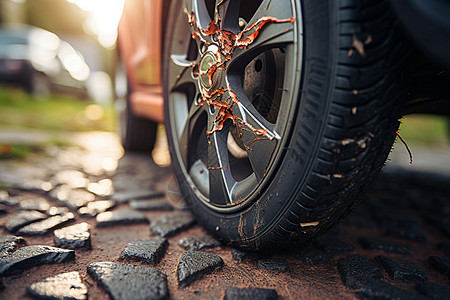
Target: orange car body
column 140, row 48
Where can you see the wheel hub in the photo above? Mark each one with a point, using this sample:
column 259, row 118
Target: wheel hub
column 210, row 73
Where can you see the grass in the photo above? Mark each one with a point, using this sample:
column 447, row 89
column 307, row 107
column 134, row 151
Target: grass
column 62, row 113
column 428, row 130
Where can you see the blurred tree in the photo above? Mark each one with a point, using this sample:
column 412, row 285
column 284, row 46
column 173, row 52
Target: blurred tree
column 58, row 16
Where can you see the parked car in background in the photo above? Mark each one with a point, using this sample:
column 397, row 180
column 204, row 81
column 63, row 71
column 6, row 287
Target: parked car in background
column 40, row 62
column 279, row 114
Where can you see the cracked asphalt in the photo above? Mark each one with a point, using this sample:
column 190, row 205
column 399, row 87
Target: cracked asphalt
column 86, row 221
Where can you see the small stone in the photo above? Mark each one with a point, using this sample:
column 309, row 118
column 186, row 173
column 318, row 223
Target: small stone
column 250, row 294
column 30, row 256
column 149, row 251
column 102, row 188
column 172, row 223
column 433, row 291
column 45, row 226
column 72, row 178
column 310, row 256
column 8, row 200
column 123, row 216
column 23, row 218
column 238, row 255
column 4, row 209
column 360, row 222
column 390, row 219
column 356, row 267
column 370, row 288
column 35, row 185
column 39, row 204
column 332, row 245
column 126, row 281
column 63, row 286
column 73, row 237
column 198, row 243
column 95, row 207
column 157, row 204
column 57, row 210
column 9, row 244
column 386, row 246
column 273, row 264
column 409, row 235
column 445, row 247
column 126, row 196
column 194, row 264
column 72, row 198
column 441, row 264
column 402, row 270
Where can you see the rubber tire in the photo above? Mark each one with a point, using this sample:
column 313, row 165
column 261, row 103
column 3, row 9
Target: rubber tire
column 349, row 108
column 138, row 134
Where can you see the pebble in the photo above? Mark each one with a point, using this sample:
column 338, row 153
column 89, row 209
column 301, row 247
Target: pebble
column 4, row 209
column 238, row 255
column 194, row 264
column 433, row 290
column 409, row 235
column 45, row 226
column 9, row 200
column 72, row 198
column 442, row 264
column 93, row 208
column 57, row 210
column 126, row 281
column 332, row 245
column 356, row 267
column 273, row 265
column 39, row 204
column 390, row 219
column 444, row 247
column 198, row 243
column 172, row 223
column 310, row 256
column 30, row 256
column 23, row 218
column 72, row 178
column 386, row 246
column 360, row 222
column 370, row 288
column 402, row 270
column 157, row 204
column 123, row 216
column 250, row 294
column 128, row 195
column 62, row 286
column 148, row 251
column 9, row 244
column 73, row 237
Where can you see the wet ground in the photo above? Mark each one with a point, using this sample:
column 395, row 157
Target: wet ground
column 118, row 226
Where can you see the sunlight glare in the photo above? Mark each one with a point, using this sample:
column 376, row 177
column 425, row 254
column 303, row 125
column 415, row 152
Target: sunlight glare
column 103, row 20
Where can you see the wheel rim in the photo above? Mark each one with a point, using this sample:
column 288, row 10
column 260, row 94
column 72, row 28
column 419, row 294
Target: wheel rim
column 231, row 90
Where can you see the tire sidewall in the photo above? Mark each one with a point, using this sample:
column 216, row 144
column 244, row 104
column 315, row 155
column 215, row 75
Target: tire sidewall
column 302, row 138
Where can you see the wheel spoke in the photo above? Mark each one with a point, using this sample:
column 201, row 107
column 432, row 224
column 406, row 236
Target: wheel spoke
column 221, row 182
column 187, row 129
column 258, row 136
column 201, row 13
column 227, row 11
column 181, row 72
column 275, row 32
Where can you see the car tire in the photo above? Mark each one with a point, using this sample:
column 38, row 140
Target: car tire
column 137, row 134
column 334, row 125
